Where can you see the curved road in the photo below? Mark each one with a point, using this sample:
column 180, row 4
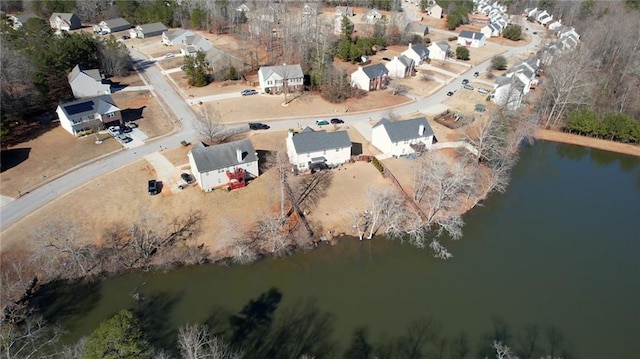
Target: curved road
column 75, row 178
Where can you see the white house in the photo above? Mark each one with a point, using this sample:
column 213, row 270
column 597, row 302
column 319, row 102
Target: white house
column 419, row 53
column 471, row 39
column 273, row 78
column 544, row 17
column 402, row 137
column 344, row 11
column 64, row 21
column 310, row 148
column 555, row 25
column 416, row 28
column 18, row 21
column 370, row 78
column 88, row 114
column 87, row 82
column 509, row 92
column 113, row 25
column 435, row 11
column 439, row 50
column 491, row 30
column 219, row 166
column 175, row 36
column 400, row 67
column 373, row 15
column 148, row 30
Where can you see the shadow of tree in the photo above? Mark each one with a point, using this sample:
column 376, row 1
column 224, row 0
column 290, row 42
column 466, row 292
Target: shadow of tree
column 13, row 157
column 64, row 301
column 356, row 148
column 250, row 327
column 154, row 314
column 132, row 114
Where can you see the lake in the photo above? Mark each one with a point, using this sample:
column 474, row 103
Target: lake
column 557, row 255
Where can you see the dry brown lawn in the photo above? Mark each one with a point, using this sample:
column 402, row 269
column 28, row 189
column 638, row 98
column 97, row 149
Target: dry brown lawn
column 214, row 88
column 178, row 155
column 50, row 155
column 132, row 79
column 146, row 110
column 449, row 66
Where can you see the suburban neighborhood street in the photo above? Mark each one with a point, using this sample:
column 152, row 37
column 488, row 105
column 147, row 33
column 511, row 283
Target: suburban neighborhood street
column 179, row 111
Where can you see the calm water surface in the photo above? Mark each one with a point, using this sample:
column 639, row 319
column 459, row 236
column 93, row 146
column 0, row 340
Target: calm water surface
column 560, row 250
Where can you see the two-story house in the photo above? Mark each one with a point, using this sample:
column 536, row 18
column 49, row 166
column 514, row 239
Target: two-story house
column 87, row 82
column 88, row 114
column 439, row 50
column 370, row 78
column 310, row 148
column 64, row 21
column 227, row 165
column 402, row 137
column 148, row 30
column 419, row 53
column 274, row 79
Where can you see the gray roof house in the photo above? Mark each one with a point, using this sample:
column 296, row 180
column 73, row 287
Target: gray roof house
column 194, row 43
column 309, row 148
column 148, row 30
column 86, row 114
column 212, row 165
column 64, row 21
column 344, row 11
column 417, row 28
column 402, row 137
column 87, row 82
column 419, row 53
column 175, row 36
column 370, row 78
column 113, row 25
column 272, row 78
column 19, row 21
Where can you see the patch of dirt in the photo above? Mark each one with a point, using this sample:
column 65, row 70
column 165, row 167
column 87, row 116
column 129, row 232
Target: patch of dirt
column 145, row 110
column 131, row 79
column 178, row 155
column 563, row 137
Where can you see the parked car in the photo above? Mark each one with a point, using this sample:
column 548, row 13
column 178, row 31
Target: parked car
column 321, row 122
column 476, row 74
column 124, row 138
column 187, row 178
column 132, row 125
column 450, row 93
column 114, row 131
column 465, row 81
column 152, row 187
column 258, row 126
column 468, row 87
column 169, row 55
column 125, row 37
column 483, row 90
column 336, row 121
column 386, row 59
column 249, row 92
column 125, row 129
column 535, row 33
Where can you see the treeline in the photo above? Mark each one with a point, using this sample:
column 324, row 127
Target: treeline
column 611, row 126
column 261, row 329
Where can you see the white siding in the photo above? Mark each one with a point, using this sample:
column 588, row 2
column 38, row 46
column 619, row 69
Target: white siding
column 333, row 156
column 360, row 80
column 217, row 178
column 380, row 139
column 64, row 121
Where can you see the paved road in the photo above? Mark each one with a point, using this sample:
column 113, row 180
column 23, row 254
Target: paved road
column 184, row 117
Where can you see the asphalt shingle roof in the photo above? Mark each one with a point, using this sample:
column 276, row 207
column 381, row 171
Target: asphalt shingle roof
column 407, row 129
column 375, row 71
column 211, row 158
column 293, row 71
column 117, row 22
column 471, row 35
column 81, row 108
column 309, row 140
column 153, row 27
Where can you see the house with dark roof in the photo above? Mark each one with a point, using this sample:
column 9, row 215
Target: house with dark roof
column 194, row 43
column 274, row 78
column 370, row 78
column 417, row 28
column 439, row 50
column 471, row 39
column 491, row 30
column 87, row 82
column 509, row 91
column 223, row 165
column 113, row 25
column 87, row 114
column 18, row 21
column 400, row 67
column 308, row 148
column 175, row 36
column 402, row 137
column 148, row 30
column 419, row 53
column 64, row 21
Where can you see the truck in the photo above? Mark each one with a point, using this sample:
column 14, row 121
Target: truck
column 153, row 187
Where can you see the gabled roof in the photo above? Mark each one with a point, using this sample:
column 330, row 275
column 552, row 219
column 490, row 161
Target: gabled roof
column 291, row 71
column 23, row 18
column 153, row 27
column 471, row 35
column 406, row 130
column 77, row 70
column 117, row 22
column 344, row 10
column 373, row 12
column 416, row 27
column 522, row 68
column 443, row 45
column 175, row 33
column 63, row 16
column 420, row 49
column 405, row 60
column 375, row 71
column 90, row 106
column 225, row 155
column 309, row 141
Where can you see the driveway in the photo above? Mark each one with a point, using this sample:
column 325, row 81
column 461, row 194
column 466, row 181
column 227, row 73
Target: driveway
column 165, row 171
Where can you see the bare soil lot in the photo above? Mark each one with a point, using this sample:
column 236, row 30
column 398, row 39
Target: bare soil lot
column 214, row 88
column 132, row 79
column 144, row 109
column 36, row 162
column 450, row 66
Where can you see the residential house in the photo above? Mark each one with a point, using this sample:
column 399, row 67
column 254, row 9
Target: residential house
column 344, row 11
column 87, row 82
column 243, row 8
column 370, row 78
column 87, row 114
column 555, row 25
column 509, row 91
column 274, row 78
column 566, row 31
column 402, row 137
column 176, row 36
column 148, row 30
column 400, row 67
column 491, row 30
column 528, row 13
column 223, row 165
column 64, row 21
column 18, row 21
column 194, row 43
column 372, row 16
column 419, row 53
column 113, row 25
column 337, row 24
column 416, row 28
column 439, row 50
column 310, row 9
column 309, row 148
column 544, row 17
column 434, row 11
column 471, row 39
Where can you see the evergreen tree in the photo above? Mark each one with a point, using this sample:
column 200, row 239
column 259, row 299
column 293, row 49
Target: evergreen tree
column 119, row 337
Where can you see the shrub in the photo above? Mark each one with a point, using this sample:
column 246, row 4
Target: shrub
column 499, row 63
column 452, row 38
column 377, row 165
column 462, row 53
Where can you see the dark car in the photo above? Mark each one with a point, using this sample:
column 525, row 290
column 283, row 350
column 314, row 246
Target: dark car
column 465, row 81
column 248, row 92
column 476, row 74
column 153, row 187
column 386, row 59
column 187, row 178
column 125, row 129
column 336, row 121
column 125, row 37
column 535, row 33
column 450, row 93
column 258, row 126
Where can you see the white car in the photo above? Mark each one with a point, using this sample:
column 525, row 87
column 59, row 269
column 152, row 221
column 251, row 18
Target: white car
column 169, row 55
column 114, row 131
column 482, row 90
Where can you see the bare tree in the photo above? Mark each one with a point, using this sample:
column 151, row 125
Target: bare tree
column 273, row 235
column 213, row 131
column 386, row 213
column 61, row 244
column 195, row 342
column 27, row 337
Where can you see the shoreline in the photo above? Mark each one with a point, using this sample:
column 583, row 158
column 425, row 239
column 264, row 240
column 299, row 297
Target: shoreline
column 590, row 142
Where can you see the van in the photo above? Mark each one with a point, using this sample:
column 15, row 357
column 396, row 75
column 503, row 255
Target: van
column 468, row 87
column 484, row 91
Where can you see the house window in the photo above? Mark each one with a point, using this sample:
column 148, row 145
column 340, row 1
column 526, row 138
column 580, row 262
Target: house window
column 324, row 152
column 269, row 82
column 111, row 114
column 337, row 150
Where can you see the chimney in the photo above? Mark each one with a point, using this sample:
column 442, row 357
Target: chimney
column 239, row 155
column 409, row 45
column 421, row 130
